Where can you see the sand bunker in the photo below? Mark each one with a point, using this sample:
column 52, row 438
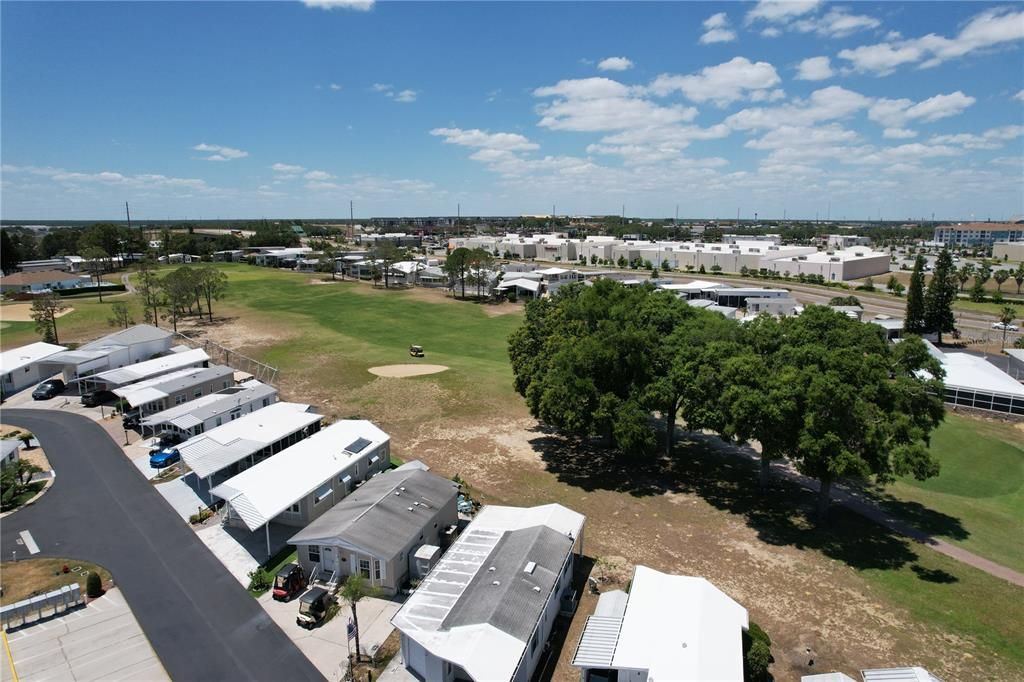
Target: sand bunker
column 400, row 371
column 22, row 312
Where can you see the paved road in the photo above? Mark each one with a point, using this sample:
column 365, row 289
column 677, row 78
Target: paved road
column 200, row 621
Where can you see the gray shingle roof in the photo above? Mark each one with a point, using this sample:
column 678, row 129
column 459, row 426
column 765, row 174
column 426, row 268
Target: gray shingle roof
column 140, row 333
column 513, row 605
column 373, row 518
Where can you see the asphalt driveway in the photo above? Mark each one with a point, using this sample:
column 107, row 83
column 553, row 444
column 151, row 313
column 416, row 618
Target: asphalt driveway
column 201, row 622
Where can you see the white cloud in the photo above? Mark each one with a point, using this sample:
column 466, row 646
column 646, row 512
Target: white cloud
column 382, row 87
column 597, row 104
column 771, row 32
column 993, row 138
column 220, row 152
column 286, row 168
column 1019, row 96
column 510, row 142
column 828, row 104
column 781, row 10
column 898, row 133
column 615, row 64
column 584, row 88
column 989, row 28
column 406, row 96
column 717, row 30
column 141, row 181
column 722, row 84
column 318, row 176
column 335, row 87
column 388, row 90
column 836, row 23
column 361, row 5
column 895, row 113
column 814, row 69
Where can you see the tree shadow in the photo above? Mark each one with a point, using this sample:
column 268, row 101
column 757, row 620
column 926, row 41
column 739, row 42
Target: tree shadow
column 934, row 575
column 782, row 513
column 928, row 522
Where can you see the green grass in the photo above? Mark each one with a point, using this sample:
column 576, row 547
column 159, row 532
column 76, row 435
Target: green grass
column 86, row 322
column 989, row 308
column 286, row 555
column 981, row 484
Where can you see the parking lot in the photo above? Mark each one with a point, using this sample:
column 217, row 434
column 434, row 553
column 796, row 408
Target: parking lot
column 99, row 641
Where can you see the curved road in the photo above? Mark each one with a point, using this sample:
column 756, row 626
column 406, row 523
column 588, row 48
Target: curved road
column 201, row 622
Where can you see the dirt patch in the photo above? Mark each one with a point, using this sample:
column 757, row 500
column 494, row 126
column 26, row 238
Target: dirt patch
column 403, row 371
column 22, row 312
column 237, row 333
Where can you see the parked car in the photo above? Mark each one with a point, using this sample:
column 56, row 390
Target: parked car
column 1005, row 326
column 165, row 440
column 288, row 582
column 312, row 608
column 130, row 420
column 48, row 389
column 97, row 397
column 158, row 459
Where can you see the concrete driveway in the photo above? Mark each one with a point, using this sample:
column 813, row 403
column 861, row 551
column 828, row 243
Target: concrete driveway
column 201, row 622
column 99, row 641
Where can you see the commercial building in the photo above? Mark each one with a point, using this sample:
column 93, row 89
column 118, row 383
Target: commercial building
column 119, row 349
column 249, row 439
column 305, row 479
column 845, row 241
column 834, row 266
column 1012, row 252
column 210, row 411
column 21, row 367
column 667, row 627
column 486, row 609
column 379, row 529
column 972, row 381
column 979, row 234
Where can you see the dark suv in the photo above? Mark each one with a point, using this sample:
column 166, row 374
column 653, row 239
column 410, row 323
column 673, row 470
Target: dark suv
column 48, row 389
column 97, row 397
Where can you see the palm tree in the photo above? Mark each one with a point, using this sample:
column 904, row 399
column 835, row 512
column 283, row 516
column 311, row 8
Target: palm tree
column 1007, row 315
column 353, row 591
column 1000, row 276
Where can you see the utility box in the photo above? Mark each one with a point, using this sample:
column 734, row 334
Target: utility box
column 424, row 559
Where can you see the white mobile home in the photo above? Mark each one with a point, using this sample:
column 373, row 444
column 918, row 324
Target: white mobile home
column 377, row 530
column 21, row 367
column 486, row 609
column 159, row 393
column 119, row 349
column 668, row 627
column 210, row 411
column 249, row 439
column 148, row 369
column 305, row 479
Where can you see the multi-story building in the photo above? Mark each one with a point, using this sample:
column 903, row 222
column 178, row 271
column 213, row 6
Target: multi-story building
column 979, row 234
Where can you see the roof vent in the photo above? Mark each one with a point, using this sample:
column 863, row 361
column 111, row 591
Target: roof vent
column 491, row 569
column 536, row 588
column 410, row 509
column 496, row 583
column 402, row 488
column 529, row 567
column 397, row 494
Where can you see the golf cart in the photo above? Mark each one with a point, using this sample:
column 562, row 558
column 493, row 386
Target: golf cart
column 288, row 582
column 312, row 608
column 416, row 351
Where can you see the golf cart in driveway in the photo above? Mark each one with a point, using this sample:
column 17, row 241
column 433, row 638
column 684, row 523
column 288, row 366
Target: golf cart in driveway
column 416, row 351
column 313, row 608
column 288, row 582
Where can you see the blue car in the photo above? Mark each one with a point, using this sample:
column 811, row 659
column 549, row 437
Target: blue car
column 164, row 458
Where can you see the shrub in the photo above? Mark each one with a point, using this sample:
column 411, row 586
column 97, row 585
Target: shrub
column 757, row 654
column 260, row 580
column 93, row 585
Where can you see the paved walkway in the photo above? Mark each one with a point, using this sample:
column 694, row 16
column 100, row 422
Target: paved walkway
column 868, row 509
column 201, row 622
column 100, row 641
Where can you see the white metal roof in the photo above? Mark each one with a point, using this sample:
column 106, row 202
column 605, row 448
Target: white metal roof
column 151, row 368
column 142, row 392
column 16, row 358
column 914, row 674
column 260, row 493
column 482, row 650
column 140, row 333
column 521, row 283
column 209, row 452
column 199, row 410
column 675, row 627
column 971, row 372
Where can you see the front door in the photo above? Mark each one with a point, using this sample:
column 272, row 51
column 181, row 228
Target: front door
column 329, row 559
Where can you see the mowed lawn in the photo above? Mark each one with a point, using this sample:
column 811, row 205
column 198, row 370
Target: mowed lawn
column 981, row 485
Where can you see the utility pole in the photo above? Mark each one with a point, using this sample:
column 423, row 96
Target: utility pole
column 351, row 219
column 129, row 217
column 677, row 215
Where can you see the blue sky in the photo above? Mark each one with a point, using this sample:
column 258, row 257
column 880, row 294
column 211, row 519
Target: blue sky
column 291, row 109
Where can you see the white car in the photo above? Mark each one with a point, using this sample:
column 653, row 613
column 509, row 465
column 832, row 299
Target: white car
column 1004, row 327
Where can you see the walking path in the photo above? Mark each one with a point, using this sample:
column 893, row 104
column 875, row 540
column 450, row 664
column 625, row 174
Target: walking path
column 861, row 505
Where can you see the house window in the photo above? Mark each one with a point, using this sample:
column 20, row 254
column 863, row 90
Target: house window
column 533, row 641
column 294, row 509
column 364, row 568
column 314, row 554
column 198, row 394
column 219, row 421
column 266, row 401
column 376, row 569
column 178, row 400
column 321, row 494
